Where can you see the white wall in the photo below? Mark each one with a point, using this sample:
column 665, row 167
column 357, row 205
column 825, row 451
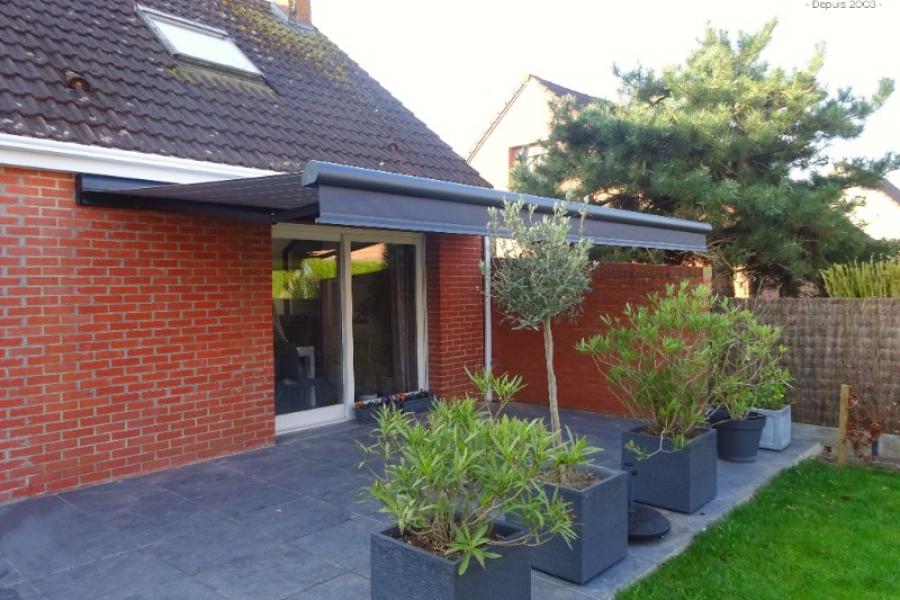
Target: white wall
column 526, row 121
column 879, row 215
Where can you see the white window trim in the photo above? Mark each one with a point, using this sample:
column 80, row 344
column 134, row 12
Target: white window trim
column 346, row 236
column 54, row 155
column 148, row 15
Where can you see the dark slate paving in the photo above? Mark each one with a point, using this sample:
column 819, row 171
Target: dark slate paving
column 272, row 574
column 281, row 523
column 298, row 518
column 47, row 535
column 346, row 587
column 211, row 547
column 113, row 578
column 19, row 591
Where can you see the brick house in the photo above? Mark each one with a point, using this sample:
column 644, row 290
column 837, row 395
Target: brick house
column 217, row 228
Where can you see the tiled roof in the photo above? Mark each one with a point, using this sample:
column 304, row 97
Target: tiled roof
column 581, row 99
column 315, row 103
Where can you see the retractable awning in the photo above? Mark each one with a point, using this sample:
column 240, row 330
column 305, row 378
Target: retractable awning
column 336, row 194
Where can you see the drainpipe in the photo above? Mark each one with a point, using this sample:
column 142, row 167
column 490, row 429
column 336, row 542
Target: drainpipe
column 488, row 341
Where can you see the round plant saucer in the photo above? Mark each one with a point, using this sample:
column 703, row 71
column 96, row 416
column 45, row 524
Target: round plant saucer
column 646, row 524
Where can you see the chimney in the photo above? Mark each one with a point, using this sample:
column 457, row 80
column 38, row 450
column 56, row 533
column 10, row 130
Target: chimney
column 297, row 11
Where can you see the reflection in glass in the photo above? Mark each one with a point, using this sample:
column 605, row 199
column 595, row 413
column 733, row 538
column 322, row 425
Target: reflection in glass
column 384, row 318
column 306, row 324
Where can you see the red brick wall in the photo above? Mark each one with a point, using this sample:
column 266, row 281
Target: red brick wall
column 132, row 341
column 455, row 311
column 580, row 384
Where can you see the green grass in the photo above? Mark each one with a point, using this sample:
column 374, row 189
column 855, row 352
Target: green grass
column 817, row 531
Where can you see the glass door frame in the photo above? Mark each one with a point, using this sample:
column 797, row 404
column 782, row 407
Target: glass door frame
column 344, row 237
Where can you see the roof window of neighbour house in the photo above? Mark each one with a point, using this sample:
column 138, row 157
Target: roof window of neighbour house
column 196, row 42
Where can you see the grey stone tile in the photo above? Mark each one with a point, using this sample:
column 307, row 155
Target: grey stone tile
column 113, row 497
column 618, row 576
column 46, row 535
column 348, row 586
column 346, row 544
column 19, row 591
column 113, row 578
column 204, row 548
column 8, row 573
column 151, row 524
column 246, row 498
column 297, row 519
column 269, row 464
column 181, row 589
column 550, row 588
column 316, row 480
column 270, row 575
column 200, row 480
column 349, row 493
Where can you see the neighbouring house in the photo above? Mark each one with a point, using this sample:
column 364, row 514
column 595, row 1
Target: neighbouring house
column 217, row 228
column 516, row 131
column 878, row 212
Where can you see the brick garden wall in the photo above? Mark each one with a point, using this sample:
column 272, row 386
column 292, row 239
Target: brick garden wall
column 455, row 311
column 132, row 341
column 580, row 384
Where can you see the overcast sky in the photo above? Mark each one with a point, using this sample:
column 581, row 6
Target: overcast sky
column 455, row 63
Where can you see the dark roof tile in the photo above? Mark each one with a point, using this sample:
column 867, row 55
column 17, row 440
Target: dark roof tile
column 315, row 103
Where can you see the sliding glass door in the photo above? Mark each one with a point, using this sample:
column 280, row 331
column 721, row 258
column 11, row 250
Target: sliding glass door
column 348, row 320
column 306, row 313
column 384, row 318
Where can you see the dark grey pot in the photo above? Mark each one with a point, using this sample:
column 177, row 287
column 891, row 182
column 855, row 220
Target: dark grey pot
column 600, row 515
column 738, row 439
column 404, row 572
column 682, row 480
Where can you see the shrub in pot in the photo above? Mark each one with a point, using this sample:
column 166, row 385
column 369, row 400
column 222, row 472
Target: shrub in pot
column 598, row 497
column 656, row 358
column 447, row 482
column 745, row 376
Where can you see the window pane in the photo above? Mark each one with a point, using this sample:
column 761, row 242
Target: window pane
column 210, row 47
column 306, row 310
column 384, row 318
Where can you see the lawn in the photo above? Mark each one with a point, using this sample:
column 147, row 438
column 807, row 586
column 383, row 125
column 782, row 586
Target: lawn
column 817, row 531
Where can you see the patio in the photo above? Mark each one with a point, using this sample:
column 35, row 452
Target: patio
column 276, row 524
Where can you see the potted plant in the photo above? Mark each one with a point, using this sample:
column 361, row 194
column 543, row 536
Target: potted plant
column 597, row 496
column 657, row 359
column 447, row 482
column 544, row 280
column 367, row 407
column 745, row 375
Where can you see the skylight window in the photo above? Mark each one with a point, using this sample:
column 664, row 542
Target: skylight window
column 197, row 42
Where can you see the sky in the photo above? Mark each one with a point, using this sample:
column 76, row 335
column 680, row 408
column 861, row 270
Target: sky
column 455, row 64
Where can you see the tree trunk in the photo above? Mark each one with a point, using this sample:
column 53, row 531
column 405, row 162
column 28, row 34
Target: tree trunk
column 551, row 380
column 722, row 281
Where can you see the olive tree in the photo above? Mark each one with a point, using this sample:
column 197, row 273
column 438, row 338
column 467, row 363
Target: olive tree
column 544, row 278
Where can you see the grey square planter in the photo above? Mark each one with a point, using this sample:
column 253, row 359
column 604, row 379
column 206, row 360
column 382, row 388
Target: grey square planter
column 401, row 571
column 682, row 480
column 776, row 435
column 600, row 515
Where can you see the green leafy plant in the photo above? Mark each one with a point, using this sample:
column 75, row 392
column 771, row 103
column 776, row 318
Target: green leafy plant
column 657, row 359
column 576, row 450
column 872, row 279
column 490, row 385
column 745, row 367
column 545, row 279
column 447, row 479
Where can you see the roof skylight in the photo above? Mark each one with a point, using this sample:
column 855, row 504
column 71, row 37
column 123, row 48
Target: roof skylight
column 197, row 42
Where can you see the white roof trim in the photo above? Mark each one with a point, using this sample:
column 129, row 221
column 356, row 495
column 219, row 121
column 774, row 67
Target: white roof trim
column 39, row 153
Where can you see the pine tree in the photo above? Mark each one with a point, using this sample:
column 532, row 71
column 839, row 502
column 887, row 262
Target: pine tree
column 730, row 140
